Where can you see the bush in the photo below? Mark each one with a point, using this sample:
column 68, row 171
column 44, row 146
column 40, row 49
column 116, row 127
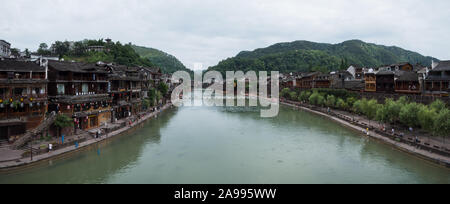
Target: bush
column 359, row 106
column 304, row 95
column 371, row 109
column 438, row 105
column 285, row 92
column 409, row 115
column 351, row 101
column 382, row 114
column 393, row 109
column 293, row 95
column 314, row 98
column 331, row 101
column 426, row 118
column 442, row 123
column 341, row 104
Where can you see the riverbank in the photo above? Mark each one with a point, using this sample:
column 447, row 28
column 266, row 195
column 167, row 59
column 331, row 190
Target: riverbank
column 414, row 150
column 66, row 151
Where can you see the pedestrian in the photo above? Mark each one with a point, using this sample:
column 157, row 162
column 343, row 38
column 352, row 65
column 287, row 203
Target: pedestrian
column 98, row 133
column 50, row 147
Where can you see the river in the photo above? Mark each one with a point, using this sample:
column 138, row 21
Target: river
column 203, row 145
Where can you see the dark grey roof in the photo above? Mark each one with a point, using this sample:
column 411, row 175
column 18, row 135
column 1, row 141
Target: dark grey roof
column 407, row 76
column 443, row 66
column 5, row 42
column 400, row 64
column 20, row 66
column 77, row 67
column 381, row 73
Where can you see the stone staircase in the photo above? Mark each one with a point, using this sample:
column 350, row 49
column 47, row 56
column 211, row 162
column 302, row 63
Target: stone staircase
column 45, row 125
column 4, row 144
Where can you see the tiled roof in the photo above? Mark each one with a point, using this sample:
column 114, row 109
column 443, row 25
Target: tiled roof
column 20, row 66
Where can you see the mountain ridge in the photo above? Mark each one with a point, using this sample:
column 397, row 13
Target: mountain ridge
column 167, row 62
column 306, row 56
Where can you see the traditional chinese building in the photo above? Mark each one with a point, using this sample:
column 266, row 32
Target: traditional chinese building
column 437, row 82
column 370, row 80
column 356, row 71
column 23, row 97
column 338, row 79
column 80, row 90
column 404, row 66
column 128, row 87
column 407, row 82
column 385, row 81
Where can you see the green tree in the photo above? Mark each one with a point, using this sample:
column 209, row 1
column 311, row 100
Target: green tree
column 293, row 95
column 304, row 95
column 285, row 92
column 442, row 123
column 341, row 104
column 330, row 101
column 371, row 109
column 63, row 121
column 163, row 88
column 438, row 105
column 314, row 98
column 393, row 109
column 426, row 117
column 382, row 114
column 61, row 48
column 351, row 101
column 409, row 114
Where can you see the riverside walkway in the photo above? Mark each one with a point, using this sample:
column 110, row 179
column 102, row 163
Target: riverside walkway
column 361, row 124
column 12, row 159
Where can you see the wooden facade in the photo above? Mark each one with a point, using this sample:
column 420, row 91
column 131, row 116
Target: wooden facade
column 80, row 91
column 437, row 83
column 407, row 82
column 370, row 82
column 23, row 97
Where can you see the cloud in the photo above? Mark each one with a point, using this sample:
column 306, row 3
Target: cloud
column 208, row 31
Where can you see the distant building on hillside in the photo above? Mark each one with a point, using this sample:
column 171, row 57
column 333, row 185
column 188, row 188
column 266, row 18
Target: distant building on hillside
column 97, row 49
column 5, row 49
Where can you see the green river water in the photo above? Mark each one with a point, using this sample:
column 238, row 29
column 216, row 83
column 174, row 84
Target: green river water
column 203, row 145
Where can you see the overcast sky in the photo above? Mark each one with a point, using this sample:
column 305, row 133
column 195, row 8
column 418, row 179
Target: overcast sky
column 208, row 31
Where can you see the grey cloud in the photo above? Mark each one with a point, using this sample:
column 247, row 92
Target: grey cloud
column 211, row 30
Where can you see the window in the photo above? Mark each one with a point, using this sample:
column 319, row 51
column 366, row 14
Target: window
column 85, row 88
column 20, row 91
column 61, row 89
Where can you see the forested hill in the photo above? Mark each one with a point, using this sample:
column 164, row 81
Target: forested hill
column 167, row 62
column 310, row 56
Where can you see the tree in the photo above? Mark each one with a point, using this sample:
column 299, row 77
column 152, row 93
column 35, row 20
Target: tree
column 314, row 98
column 442, row 123
column 382, row 114
column 331, row 101
column 61, row 48
column 304, row 95
column 63, row 121
column 43, row 49
column 409, row 114
column 15, row 52
column 371, row 109
column 285, row 92
column 393, row 109
column 79, row 48
column 293, row 95
column 341, row 104
column 426, row 117
column 438, row 105
column 27, row 53
column 163, row 88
